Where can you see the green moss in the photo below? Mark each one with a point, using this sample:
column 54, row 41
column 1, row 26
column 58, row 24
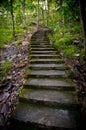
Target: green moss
column 41, row 105
column 28, row 71
column 23, row 91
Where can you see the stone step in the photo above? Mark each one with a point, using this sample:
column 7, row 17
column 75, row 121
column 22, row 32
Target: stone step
column 44, row 56
column 47, row 66
column 32, row 42
column 40, row 39
column 54, row 84
column 43, row 117
column 43, row 52
column 46, row 74
column 42, row 46
column 39, row 46
column 50, row 98
column 37, row 41
column 42, row 49
column 40, row 43
column 44, row 61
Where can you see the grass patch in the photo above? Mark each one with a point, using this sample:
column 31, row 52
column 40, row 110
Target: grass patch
column 4, row 69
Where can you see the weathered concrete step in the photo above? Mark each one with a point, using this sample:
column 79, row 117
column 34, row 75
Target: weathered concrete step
column 46, row 117
column 39, row 39
column 50, row 98
column 44, row 61
column 47, row 74
column 43, row 52
column 54, row 84
column 42, row 49
column 40, row 45
column 47, row 66
column 44, row 56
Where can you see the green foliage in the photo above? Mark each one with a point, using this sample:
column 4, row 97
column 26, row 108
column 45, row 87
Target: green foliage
column 64, row 45
column 4, row 69
column 5, row 37
column 31, row 7
column 76, row 28
column 70, row 9
column 18, row 42
column 1, row 45
column 5, row 4
column 64, row 37
column 6, row 66
column 63, row 18
column 69, row 51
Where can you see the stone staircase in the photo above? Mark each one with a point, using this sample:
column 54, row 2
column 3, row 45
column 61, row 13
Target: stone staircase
column 48, row 99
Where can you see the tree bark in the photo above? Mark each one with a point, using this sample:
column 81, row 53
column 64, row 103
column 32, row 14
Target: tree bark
column 43, row 11
column 48, row 5
column 12, row 15
column 24, row 16
column 38, row 16
column 61, row 2
column 82, row 4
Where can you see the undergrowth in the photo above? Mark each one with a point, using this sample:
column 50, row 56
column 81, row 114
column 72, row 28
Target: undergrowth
column 68, row 41
column 4, row 69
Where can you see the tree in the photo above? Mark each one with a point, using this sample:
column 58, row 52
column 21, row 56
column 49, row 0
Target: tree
column 23, row 3
column 8, row 5
column 43, row 10
column 82, row 4
column 38, row 16
column 12, row 15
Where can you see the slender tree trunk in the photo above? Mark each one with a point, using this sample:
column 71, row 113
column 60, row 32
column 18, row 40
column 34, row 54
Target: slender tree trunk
column 38, row 16
column 82, row 4
column 12, row 15
column 46, row 12
column 61, row 2
column 43, row 11
column 48, row 5
column 24, row 16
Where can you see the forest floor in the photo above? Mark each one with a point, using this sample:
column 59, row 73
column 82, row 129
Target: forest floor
column 78, row 69
column 19, row 57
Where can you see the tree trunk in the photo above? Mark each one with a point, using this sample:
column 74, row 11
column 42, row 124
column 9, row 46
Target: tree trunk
column 61, row 2
column 43, row 11
column 48, row 5
column 38, row 16
column 12, row 15
column 24, row 16
column 46, row 10
column 82, row 4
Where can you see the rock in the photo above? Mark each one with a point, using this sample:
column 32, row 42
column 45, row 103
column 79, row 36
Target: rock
column 4, row 96
column 76, row 42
